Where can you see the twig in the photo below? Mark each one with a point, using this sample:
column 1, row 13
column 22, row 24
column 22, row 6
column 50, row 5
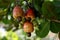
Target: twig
column 55, row 20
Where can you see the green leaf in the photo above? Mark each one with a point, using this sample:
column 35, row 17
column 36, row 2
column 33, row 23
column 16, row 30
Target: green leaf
column 3, row 11
column 48, row 10
column 57, row 5
column 5, row 20
column 5, row 3
column 4, row 38
column 43, row 28
column 55, row 27
column 37, row 4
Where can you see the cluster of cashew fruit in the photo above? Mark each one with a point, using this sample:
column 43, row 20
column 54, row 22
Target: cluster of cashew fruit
column 18, row 14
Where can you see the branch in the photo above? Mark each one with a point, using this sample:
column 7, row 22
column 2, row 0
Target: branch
column 55, row 20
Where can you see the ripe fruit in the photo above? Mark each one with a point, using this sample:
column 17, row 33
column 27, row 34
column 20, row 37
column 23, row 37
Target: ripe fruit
column 17, row 12
column 28, row 27
column 30, row 14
